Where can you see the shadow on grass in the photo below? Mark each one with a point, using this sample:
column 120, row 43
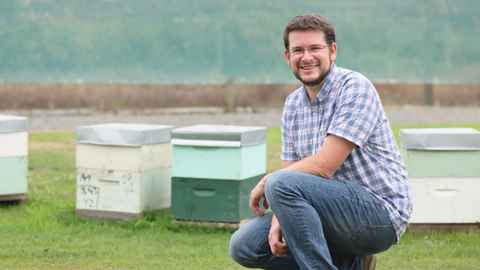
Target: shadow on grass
column 159, row 219
column 10, row 204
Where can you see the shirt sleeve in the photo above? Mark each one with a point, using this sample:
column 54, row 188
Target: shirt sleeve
column 357, row 111
column 288, row 146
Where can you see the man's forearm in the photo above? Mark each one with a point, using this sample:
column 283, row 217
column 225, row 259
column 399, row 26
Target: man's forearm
column 331, row 156
column 306, row 165
column 311, row 166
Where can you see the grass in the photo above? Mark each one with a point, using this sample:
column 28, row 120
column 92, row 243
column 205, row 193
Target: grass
column 44, row 233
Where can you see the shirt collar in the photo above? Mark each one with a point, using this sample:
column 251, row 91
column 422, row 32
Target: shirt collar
column 326, row 87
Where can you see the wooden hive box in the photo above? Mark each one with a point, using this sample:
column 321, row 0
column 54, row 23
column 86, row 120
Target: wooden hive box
column 214, row 169
column 13, row 158
column 219, row 152
column 122, row 169
column 444, row 172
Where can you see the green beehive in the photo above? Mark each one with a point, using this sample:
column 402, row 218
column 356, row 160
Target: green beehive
column 441, row 152
column 212, row 199
column 219, row 152
column 214, row 169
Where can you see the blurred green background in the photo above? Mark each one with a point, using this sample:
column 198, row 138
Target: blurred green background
column 212, row 41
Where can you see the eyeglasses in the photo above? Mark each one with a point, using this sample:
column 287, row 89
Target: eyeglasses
column 314, row 49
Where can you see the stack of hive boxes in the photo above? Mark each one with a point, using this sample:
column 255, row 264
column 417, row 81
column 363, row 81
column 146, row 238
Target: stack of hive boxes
column 444, row 172
column 13, row 158
column 214, row 169
column 122, row 169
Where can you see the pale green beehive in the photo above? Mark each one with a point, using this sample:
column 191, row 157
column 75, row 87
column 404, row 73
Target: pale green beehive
column 13, row 157
column 441, row 152
column 219, row 152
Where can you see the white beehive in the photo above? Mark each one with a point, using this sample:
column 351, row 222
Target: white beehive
column 122, row 169
column 13, row 158
column 445, row 200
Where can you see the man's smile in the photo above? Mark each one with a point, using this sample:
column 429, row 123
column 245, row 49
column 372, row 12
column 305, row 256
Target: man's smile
column 309, row 66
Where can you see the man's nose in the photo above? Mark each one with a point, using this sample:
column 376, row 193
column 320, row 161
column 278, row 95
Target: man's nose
column 307, row 55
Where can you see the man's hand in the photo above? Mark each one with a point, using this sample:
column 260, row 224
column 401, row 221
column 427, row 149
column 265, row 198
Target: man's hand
column 256, row 195
column 277, row 244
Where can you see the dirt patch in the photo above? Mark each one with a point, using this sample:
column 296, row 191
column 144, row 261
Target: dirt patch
column 114, row 97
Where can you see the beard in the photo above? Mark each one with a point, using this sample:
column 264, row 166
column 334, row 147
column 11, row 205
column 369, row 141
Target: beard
column 312, row 82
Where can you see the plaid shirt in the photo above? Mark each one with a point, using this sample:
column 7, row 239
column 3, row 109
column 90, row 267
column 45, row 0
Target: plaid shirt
column 348, row 106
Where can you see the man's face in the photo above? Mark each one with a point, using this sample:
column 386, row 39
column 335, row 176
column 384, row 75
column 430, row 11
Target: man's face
column 309, row 56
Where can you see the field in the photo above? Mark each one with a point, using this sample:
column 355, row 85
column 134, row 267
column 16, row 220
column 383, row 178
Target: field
column 44, row 233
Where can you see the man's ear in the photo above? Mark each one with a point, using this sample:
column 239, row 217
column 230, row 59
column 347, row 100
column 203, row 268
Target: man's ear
column 286, row 56
column 333, row 51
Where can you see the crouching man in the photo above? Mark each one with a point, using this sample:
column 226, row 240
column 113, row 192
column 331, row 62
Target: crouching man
column 343, row 193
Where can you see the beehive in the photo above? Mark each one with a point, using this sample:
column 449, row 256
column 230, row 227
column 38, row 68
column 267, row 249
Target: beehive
column 444, row 173
column 214, row 169
column 217, row 200
column 13, row 158
column 219, row 152
column 122, row 169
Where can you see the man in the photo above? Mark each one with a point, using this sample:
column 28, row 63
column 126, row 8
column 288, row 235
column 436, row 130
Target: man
column 343, row 193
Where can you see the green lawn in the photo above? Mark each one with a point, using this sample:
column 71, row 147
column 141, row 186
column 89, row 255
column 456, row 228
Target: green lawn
column 44, row 233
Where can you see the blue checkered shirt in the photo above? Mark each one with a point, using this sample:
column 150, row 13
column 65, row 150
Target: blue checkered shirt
column 348, row 106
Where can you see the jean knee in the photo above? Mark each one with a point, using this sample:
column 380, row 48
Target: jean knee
column 248, row 245
column 239, row 249
column 235, row 247
column 277, row 183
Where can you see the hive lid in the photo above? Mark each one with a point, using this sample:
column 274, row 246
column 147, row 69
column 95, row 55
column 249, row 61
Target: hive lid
column 123, row 134
column 440, row 138
column 11, row 123
column 219, row 135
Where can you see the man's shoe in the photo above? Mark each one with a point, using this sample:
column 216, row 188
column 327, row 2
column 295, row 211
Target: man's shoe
column 369, row 262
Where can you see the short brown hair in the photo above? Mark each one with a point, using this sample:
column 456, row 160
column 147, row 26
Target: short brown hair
column 309, row 22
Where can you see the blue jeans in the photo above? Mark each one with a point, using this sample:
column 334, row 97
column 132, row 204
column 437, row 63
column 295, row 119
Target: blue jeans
column 327, row 224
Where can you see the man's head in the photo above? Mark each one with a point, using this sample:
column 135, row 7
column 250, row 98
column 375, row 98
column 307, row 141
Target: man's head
column 309, row 23
column 310, row 48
